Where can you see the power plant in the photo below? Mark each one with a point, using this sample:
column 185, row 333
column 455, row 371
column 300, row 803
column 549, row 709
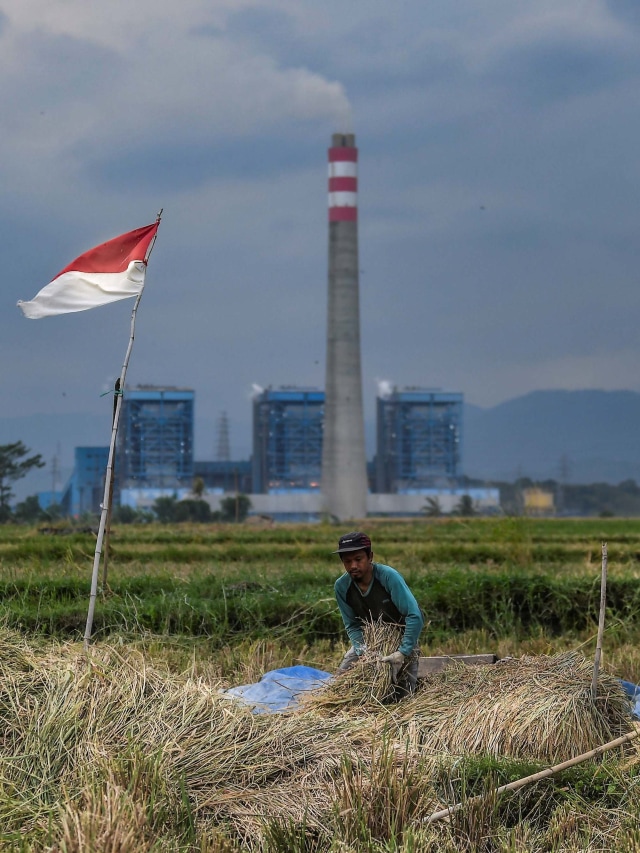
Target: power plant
column 308, row 457
column 344, row 466
column 84, row 491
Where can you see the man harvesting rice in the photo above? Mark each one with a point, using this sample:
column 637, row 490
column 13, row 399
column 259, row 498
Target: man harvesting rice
column 368, row 592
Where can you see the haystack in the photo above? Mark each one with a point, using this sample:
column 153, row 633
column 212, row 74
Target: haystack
column 532, row 708
column 121, row 724
column 536, row 708
column 69, row 727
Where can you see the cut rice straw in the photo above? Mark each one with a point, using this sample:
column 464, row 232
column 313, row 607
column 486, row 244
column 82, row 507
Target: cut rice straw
column 74, row 730
column 367, row 685
column 536, row 708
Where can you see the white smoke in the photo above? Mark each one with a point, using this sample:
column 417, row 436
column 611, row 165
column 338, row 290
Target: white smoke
column 385, row 388
column 343, row 112
column 256, row 390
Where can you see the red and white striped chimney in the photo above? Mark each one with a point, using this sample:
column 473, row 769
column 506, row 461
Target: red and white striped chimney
column 343, row 182
column 344, row 465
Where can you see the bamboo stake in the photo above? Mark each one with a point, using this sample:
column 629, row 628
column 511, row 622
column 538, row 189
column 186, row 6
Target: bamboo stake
column 107, row 535
column 542, row 774
column 603, row 607
column 108, row 491
column 107, row 486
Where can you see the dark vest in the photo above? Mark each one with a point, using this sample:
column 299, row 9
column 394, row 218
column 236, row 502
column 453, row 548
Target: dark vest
column 376, row 605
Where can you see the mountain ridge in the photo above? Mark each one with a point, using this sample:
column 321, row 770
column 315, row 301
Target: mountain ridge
column 592, row 434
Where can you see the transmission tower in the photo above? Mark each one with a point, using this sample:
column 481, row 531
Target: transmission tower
column 223, row 452
column 55, row 471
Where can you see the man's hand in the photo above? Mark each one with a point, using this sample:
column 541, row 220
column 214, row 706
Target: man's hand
column 396, row 662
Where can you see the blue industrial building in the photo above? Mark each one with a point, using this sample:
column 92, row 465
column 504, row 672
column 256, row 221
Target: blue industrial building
column 50, row 498
column 419, row 440
column 287, row 440
column 155, row 440
column 85, row 489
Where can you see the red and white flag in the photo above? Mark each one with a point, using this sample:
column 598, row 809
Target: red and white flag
column 111, row 271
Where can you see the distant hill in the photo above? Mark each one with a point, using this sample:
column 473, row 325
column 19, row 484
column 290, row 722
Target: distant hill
column 597, row 431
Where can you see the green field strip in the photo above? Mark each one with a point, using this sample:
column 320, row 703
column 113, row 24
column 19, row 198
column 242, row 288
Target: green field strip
column 455, row 600
column 384, row 532
column 256, row 552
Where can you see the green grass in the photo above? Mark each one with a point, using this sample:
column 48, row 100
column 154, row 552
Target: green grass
column 507, row 577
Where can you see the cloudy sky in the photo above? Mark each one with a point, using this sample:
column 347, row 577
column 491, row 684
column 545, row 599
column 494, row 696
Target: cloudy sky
column 499, row 193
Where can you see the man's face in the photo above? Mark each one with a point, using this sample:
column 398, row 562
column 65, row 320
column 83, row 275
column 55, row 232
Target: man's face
column 358, row 564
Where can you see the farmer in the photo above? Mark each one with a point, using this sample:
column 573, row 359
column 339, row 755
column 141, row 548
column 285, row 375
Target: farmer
column 369, row 591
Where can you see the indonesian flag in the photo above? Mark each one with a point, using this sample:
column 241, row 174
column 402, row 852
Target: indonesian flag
column 111, row 271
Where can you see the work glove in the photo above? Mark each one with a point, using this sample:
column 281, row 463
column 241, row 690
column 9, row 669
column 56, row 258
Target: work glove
column 396, row 662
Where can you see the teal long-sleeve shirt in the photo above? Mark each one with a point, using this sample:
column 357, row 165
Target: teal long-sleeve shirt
column 400, row 595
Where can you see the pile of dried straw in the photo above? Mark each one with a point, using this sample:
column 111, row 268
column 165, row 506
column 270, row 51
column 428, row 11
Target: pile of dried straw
column 67, row 723
column 532, row 707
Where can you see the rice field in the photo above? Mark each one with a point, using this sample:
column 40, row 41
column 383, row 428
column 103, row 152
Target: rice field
column 137, row 748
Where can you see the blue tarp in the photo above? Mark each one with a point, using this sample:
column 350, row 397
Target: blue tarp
column 278, row 690
column 633, row 692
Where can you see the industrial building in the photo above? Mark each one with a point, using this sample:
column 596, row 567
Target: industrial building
column 419, row 440
column 84, row 491
column 309, row 456
column 155, row 443
column 287, row 440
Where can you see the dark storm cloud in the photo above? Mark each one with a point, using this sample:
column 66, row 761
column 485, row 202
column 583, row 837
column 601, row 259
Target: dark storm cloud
column 627, row 10
column 499, row 194
column 373, row 55
column 186, row 164
column 553, row 69
column 272, row 30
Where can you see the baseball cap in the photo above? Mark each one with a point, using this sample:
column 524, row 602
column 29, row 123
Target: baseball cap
column 353, row 542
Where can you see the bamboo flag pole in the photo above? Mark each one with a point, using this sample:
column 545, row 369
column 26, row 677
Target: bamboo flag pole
column 603, row 607
column 542, row 774
column 108, row 492
column 107, row 532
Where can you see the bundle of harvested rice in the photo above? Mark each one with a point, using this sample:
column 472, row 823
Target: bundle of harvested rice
column 367, row 685
column 533, row 707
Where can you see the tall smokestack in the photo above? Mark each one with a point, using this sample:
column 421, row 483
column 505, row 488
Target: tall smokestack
column 344, row 465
